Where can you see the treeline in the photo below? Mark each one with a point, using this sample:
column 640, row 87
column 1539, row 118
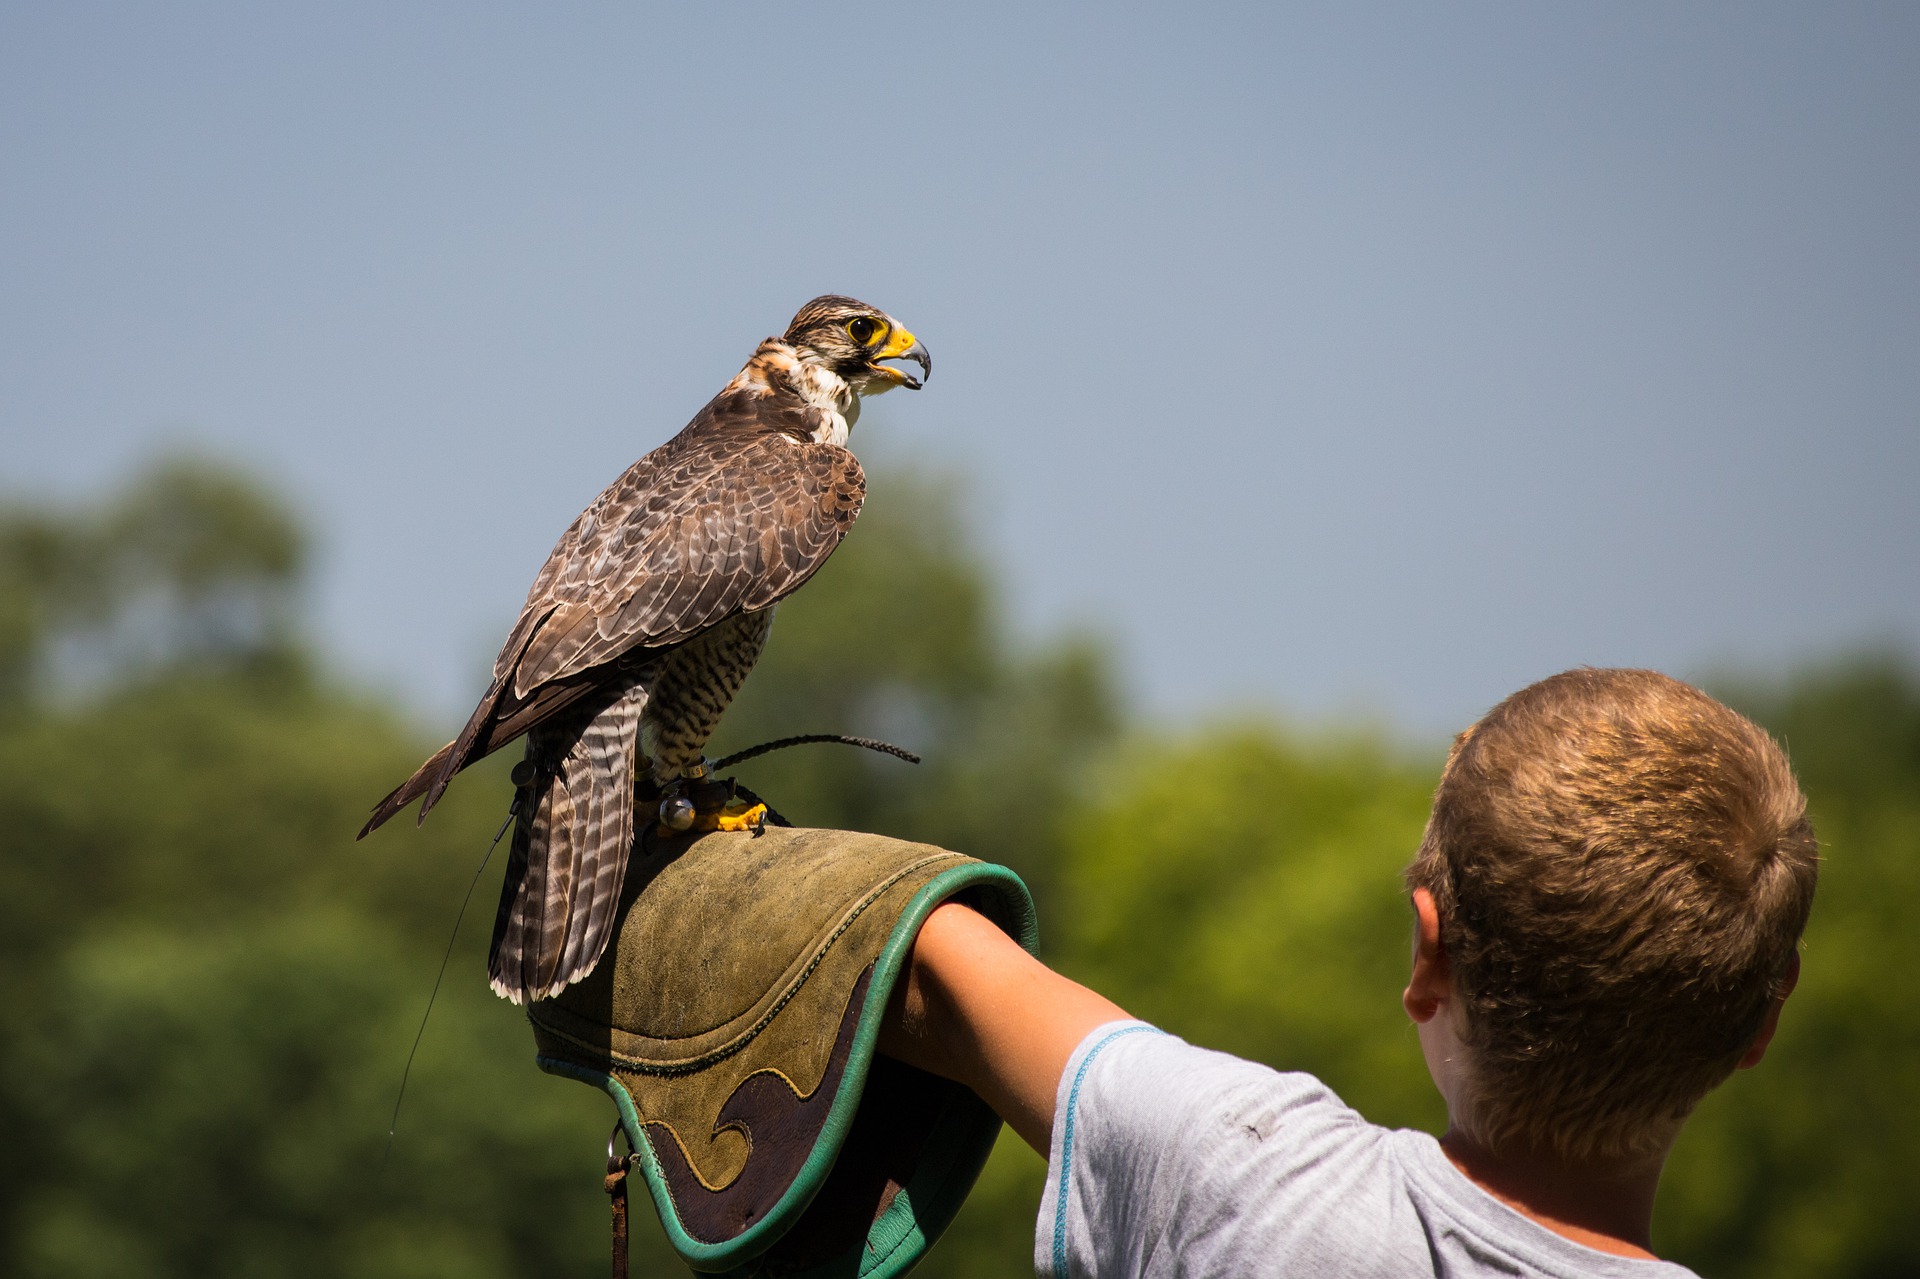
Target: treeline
column 212, row 988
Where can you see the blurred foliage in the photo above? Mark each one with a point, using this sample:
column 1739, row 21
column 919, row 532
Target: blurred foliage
column 213, row 988
column 1243, row 891
column 216, row 987
column 1809, row 1163
column 191, row 564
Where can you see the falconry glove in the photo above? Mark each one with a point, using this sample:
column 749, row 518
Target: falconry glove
column 734, row 1024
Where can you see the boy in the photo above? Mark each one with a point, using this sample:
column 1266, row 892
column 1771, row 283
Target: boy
column 1608, row 903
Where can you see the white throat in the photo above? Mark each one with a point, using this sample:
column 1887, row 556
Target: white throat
column 828, row 394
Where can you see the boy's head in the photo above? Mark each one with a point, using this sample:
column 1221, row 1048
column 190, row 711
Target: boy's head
column 1621, row 869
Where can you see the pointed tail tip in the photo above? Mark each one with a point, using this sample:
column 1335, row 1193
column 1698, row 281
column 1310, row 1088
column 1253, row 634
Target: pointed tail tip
column 426, row 805
column 430, row 794
column 381, row 812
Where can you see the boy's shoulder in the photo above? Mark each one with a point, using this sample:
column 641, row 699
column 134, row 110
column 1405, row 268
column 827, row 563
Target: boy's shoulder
column 1168, row 1159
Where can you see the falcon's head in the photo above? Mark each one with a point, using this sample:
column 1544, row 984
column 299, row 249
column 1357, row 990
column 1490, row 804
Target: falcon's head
column 852, row 339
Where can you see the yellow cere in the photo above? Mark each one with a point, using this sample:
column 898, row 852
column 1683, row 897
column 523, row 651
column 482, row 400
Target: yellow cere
column 899, row 344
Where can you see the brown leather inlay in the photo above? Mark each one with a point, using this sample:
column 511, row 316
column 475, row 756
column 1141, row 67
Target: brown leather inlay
column 899, row 1111
column 781, row 1128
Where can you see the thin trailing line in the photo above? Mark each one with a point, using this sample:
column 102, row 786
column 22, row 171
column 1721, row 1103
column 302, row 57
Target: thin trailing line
column 394, row 1122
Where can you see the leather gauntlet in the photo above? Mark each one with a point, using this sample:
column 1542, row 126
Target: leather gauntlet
column 733, row 1022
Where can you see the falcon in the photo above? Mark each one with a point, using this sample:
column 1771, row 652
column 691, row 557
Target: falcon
column 646, row 618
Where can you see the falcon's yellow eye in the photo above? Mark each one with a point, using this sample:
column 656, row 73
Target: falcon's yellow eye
column 862, row 330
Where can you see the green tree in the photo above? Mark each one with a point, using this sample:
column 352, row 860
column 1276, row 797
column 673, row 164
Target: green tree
column 190, row 565
column 215, row 986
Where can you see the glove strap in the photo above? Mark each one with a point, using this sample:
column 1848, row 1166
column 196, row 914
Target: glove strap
column 616, row 1186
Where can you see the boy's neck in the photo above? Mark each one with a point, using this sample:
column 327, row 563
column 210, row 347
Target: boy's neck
column 1607, row 1207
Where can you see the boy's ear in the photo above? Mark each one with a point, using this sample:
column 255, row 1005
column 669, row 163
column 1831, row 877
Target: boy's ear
column 1772, row 1022
column 1431, row 982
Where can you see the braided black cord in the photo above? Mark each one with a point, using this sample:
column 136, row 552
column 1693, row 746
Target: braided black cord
column 773, row 814
column 808, row 739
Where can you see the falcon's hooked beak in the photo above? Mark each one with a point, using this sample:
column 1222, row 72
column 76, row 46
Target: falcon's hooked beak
column 902, row 345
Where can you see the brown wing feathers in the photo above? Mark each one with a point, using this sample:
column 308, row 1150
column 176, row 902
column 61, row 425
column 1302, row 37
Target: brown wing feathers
column 746, row 545
column 730, row 516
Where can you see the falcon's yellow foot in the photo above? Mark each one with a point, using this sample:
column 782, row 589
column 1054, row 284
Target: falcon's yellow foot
column 740, row 815
column 695, row 806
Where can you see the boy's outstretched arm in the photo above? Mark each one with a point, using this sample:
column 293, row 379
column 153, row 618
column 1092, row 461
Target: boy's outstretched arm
column 976, row 1008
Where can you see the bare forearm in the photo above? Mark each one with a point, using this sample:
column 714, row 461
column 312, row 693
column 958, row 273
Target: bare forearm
column 976, row 1008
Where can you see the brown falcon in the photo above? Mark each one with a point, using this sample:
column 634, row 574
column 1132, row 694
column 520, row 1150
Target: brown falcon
column 646, row 618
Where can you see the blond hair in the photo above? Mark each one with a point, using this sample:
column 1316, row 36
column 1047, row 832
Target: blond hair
column 1623, row 868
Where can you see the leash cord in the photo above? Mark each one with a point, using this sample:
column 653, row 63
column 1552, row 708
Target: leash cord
column 808, row 739
column 394, row 1123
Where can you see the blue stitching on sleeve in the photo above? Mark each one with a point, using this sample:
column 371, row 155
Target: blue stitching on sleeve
column 1066, row 1147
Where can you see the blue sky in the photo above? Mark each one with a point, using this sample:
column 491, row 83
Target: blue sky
column 1335, row 358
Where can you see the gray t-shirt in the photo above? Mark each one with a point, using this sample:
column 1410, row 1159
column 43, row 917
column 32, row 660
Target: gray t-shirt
column 1170, row 1160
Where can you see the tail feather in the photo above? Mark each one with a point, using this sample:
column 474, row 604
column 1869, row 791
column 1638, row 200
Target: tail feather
column 489, row 728
column 570, row 850
column 431, row 778
column 603, row 818
column 481, row 736
column 461, row 751
column 408, row 791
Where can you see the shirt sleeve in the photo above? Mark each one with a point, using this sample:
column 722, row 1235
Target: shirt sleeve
column 1170, row 1161
column 1160, row 1148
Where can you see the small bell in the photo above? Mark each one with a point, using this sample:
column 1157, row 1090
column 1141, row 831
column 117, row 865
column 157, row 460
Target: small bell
column 676, row 813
